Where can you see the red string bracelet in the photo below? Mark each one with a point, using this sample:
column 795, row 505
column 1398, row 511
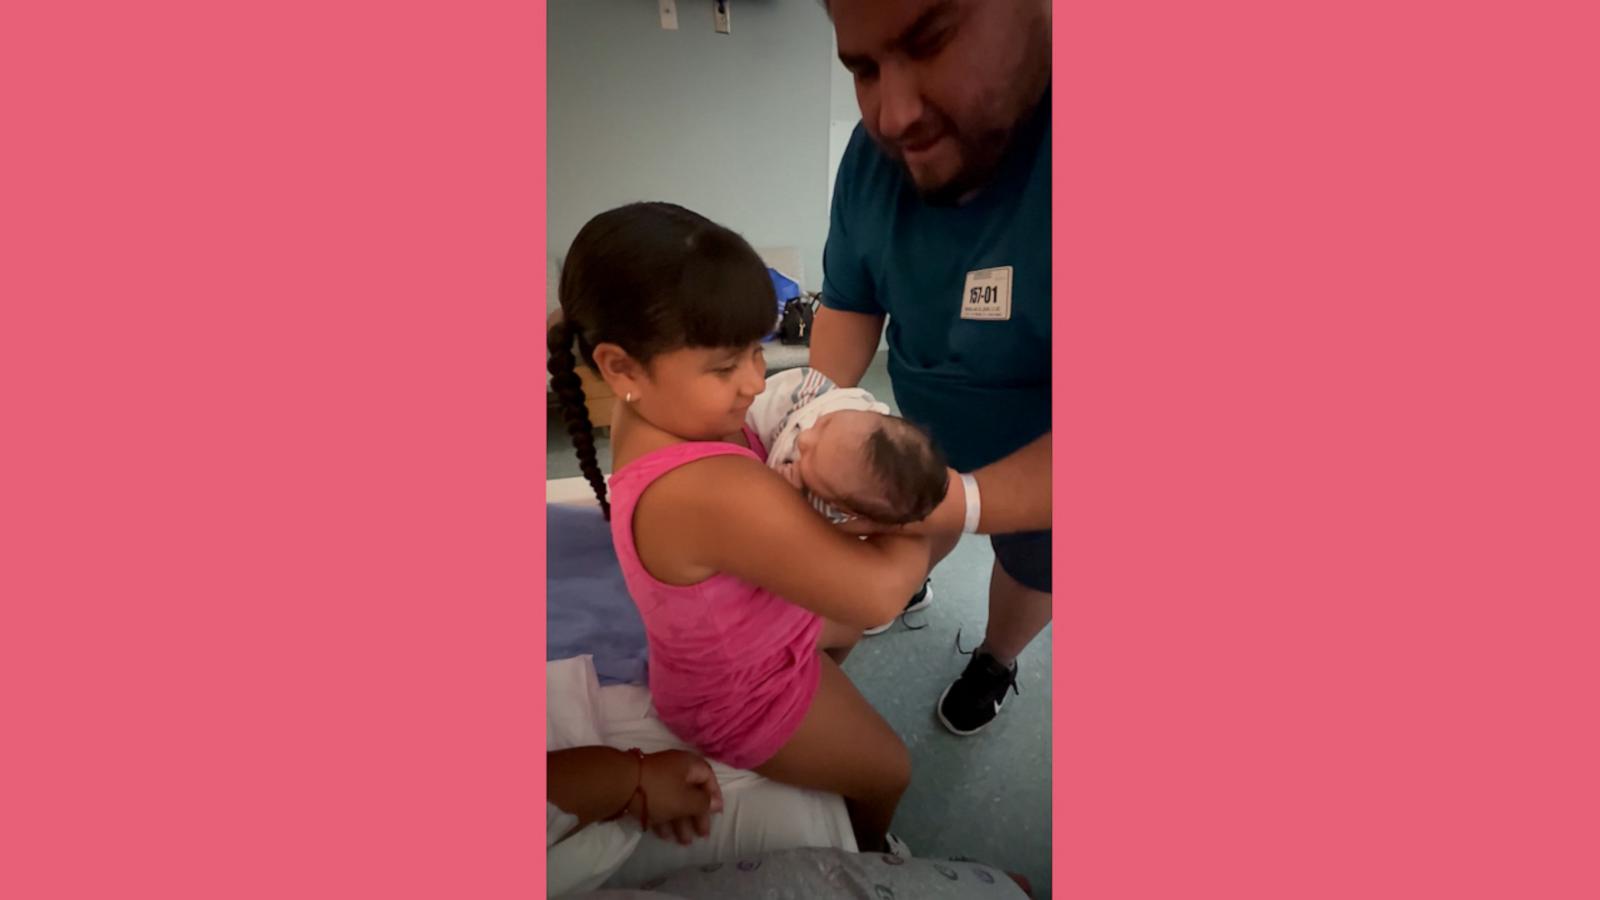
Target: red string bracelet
column 644, row 803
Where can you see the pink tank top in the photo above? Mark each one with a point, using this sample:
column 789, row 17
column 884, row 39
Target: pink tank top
column 733, row 666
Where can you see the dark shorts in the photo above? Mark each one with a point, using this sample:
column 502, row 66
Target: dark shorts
column 1025, row 556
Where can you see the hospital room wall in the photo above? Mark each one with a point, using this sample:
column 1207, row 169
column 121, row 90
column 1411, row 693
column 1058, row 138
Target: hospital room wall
column 733, row 126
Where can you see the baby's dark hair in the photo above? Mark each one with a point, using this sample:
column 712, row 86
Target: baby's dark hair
column 910, row 469
column 651, row 278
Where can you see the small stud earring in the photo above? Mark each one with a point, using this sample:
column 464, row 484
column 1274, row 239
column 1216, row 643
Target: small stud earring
column 628, row 397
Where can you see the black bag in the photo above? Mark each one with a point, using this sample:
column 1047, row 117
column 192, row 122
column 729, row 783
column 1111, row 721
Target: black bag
column 795, row 326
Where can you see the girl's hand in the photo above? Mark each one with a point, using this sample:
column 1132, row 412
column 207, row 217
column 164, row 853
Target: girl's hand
column 862, row 526
column 681, row 794
column 947, row 518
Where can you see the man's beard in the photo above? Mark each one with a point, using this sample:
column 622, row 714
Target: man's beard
column 978, row 160
column 981, row 155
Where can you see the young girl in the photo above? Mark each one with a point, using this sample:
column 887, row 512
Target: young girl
column 744, row 590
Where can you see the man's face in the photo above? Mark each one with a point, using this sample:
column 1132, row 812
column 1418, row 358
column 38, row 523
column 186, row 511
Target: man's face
column 942, row 84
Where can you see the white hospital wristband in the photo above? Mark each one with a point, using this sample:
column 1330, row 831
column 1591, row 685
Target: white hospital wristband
column 969, row 484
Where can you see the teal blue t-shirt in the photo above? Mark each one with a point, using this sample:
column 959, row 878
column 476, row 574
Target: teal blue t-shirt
column 966, row 289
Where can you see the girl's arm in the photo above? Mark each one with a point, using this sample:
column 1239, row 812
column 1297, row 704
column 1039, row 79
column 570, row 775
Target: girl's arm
column 731, row 514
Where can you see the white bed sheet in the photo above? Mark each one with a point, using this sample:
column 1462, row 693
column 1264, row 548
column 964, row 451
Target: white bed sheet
column 758, row 815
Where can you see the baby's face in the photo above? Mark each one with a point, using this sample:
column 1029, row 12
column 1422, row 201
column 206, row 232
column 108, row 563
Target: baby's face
column 832, row 460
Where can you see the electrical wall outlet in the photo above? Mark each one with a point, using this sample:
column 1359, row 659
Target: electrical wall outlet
column 669, row 14
column 719, row 9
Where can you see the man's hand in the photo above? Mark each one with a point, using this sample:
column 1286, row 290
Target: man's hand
column 1014, row 494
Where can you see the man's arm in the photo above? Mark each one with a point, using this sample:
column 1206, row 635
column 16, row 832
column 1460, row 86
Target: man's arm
column 843, row 344
column 1013, row 493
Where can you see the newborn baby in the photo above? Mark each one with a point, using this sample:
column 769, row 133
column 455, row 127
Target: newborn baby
column 841, row 448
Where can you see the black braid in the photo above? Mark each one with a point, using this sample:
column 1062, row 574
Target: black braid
column 569, row 391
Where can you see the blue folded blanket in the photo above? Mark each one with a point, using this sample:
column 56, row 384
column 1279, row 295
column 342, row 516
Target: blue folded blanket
column 589, row 610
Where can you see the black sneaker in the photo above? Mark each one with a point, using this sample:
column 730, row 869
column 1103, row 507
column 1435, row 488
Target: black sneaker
column 973, row 700
column 919, row 601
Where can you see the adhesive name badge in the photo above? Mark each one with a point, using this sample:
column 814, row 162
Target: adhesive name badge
column 987, row 297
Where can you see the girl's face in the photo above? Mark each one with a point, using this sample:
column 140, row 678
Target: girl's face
column 701, row 393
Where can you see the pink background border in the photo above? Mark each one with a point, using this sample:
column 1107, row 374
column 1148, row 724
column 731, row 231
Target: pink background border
column 271, row 552
column 1327, row 387
column 275, row 506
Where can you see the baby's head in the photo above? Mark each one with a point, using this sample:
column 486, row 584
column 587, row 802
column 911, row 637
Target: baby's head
column 879, row 467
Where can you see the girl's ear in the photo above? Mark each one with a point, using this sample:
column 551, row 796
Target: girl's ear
column 624, row 374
